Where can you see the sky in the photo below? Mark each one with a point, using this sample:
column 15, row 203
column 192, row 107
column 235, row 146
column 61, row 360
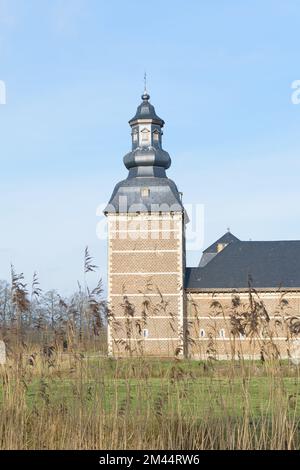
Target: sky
column 220, row 74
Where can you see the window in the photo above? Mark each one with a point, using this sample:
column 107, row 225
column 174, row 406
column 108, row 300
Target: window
column 145, row 135
column 145, row 192
column 202, row 334
column 221, row 247
column 222, row 333
column 134, row 136
column 242, row 336
column 145, row 333
column 156, row 136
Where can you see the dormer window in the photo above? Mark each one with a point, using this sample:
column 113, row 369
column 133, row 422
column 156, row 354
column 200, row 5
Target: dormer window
column 145, row 136
column 135, row 136
column 156, row 136
column 221, row 246
column 145, row 192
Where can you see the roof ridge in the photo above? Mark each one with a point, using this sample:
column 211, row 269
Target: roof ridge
column 271, row 264
column 227, row 236
column 220, row 254
column 269, row 241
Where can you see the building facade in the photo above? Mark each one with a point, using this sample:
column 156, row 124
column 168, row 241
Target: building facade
column 242, row 299
column 146, row 254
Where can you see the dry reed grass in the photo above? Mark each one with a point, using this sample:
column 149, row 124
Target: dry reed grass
column 75, row 402
column 50, row 399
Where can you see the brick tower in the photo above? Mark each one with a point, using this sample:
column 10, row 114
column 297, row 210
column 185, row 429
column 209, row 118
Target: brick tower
column 146, row 248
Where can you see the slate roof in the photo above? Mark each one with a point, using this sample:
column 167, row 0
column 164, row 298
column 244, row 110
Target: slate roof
column 142, row 157
column 146, row 111
column 267, row 264
column 212, row 250
column 147, row 169
column 163, row 196
column 226, row 239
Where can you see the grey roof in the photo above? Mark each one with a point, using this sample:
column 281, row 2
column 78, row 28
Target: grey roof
column 146, row 111
column 147, row 167
column 226, row 239
column 212, row 250
column 266, row 264
column 147, row 157
column 163, row 196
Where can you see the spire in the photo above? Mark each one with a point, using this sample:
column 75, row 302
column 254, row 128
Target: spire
column 147, row 163
column 145, row 83
column 145, row 95
column 147, row 157
column 146, row 111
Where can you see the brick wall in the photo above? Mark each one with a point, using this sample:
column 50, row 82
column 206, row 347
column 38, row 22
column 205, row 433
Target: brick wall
column 145, row 284
column 212, row 329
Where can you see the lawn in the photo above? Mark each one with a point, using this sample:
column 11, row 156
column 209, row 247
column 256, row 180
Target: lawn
column 200, row 388
column 145, row 394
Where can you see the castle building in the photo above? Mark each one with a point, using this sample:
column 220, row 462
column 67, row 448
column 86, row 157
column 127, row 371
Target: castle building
column 243, row 298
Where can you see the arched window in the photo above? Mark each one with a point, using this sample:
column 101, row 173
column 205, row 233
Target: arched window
column 222, row 333
column 145, row 333
column 202, row 334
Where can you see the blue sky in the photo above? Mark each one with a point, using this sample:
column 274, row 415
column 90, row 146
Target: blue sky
column 220, row 74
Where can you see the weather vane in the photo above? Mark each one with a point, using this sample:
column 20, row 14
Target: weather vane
column 145, row 82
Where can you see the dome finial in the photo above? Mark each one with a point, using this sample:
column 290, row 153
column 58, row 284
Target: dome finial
column 145, row 96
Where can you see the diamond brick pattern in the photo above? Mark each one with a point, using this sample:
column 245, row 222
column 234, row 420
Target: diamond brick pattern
column 134, row 268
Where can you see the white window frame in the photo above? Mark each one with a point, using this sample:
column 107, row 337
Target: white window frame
column 145, row 135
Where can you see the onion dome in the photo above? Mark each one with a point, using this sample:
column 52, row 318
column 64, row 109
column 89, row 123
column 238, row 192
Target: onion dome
column 147, row 157
column 146, row 111
column 147, row 187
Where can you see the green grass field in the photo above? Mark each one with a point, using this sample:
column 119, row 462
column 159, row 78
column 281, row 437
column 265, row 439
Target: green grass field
column 142, row 383
column 141, row 403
